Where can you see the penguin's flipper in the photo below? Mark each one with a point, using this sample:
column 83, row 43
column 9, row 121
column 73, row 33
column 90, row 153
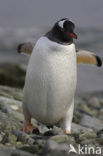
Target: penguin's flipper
column 25, row 48
column 87, row 57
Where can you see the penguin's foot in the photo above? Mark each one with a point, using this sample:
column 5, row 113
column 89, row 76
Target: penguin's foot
column 28, row 127
column 67, row 131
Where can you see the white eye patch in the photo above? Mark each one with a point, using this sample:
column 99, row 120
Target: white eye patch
column 61, row 23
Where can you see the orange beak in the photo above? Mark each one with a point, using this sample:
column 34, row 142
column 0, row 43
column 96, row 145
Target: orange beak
column 73, row 35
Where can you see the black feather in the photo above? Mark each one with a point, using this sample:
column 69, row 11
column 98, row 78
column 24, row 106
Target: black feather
column 99, row 61
column 19, row 47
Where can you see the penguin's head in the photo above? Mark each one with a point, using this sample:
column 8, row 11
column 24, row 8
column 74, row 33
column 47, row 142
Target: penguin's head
column 63, row 30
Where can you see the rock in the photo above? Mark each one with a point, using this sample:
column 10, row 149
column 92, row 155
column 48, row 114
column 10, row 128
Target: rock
column 58, row 130
column 2, row 137
column 99, row 140
column 13, row 152
column 31, row 149
column 94, row 102
column 7, row 104
column 3, row 107
column 101, row 101
column 87, row 138
column 50, row 133
column 42, row 128
column 86, row 109
column 101, row 114
column 50, row 145
column 12, row 107
column 12, row 93
column 91, row 122
column 100, row 134
column 62, row 138
column 91, row 143
column 12, row 75
column 52, row 148
column 77, row 116
column 87, row 135
column 78, row 129
column 23, row 137
column 86, row 130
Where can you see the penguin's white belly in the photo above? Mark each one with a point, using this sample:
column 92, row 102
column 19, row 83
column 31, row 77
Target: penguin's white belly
column 50, row 82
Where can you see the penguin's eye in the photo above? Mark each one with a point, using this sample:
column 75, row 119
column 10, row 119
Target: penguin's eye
column 68, row 26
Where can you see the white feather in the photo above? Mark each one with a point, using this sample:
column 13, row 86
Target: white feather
column 61, row 23
column 50, row 81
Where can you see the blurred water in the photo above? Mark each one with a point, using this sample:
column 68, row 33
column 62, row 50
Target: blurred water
column 90, row 78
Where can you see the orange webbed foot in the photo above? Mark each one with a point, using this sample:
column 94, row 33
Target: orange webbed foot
column 67, row 132
column 29, row 128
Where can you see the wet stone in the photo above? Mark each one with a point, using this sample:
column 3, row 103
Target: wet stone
column 100, row 133
column 91, row 122
column 50, row 133
column 87, row 127
column 94, row 102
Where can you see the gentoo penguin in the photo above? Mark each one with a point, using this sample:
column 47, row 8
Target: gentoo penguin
column 50, row 83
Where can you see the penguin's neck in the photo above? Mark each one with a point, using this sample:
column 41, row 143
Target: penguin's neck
column 56, row 36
